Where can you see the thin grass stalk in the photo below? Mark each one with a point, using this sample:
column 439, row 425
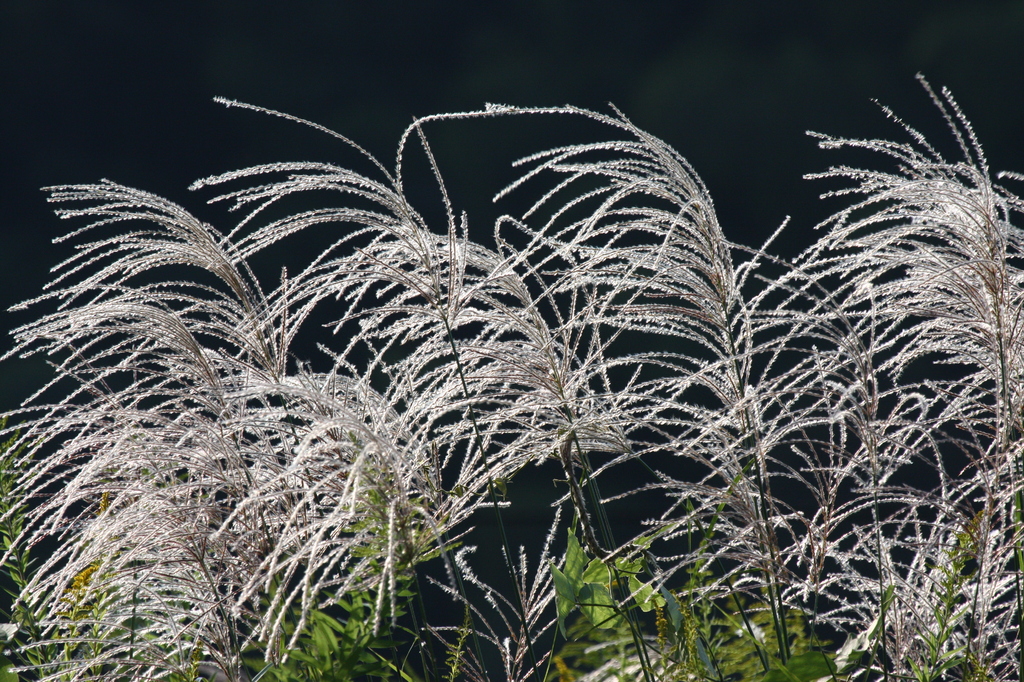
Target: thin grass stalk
column 492, row 494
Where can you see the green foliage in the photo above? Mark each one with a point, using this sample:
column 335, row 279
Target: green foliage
column 744, row 629
column 805, row 667
column 589, row 584
column 723, row 643
column 588, row 648
column 952, row 578
column 17, row 571
column 342, row 649
column 457, row 651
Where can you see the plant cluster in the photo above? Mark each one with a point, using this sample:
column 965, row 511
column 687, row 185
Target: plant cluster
column 829, row 447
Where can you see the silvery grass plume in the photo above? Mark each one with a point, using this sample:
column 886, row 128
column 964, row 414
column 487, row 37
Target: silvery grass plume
column 839, row 434
column 922, row 319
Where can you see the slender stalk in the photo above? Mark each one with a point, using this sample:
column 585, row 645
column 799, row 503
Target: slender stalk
column 492, row 494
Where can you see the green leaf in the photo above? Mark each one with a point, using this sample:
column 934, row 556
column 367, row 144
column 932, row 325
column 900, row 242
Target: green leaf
column 5, row 670
column 644, row 595
column 565, row 596
column 629, row 566
column 575, row 560
column 597, row 605
column 597, row 572
column 804, row 667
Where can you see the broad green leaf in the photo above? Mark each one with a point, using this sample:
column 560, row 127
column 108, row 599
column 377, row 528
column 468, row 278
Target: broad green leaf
column 5, row 670
column 565, row 596
column 644, row 595
column 597, row 605
column 575, row 560
column 597, row 572
column 629, row 566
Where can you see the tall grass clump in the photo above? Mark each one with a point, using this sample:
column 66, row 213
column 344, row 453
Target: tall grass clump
column 238, row 476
